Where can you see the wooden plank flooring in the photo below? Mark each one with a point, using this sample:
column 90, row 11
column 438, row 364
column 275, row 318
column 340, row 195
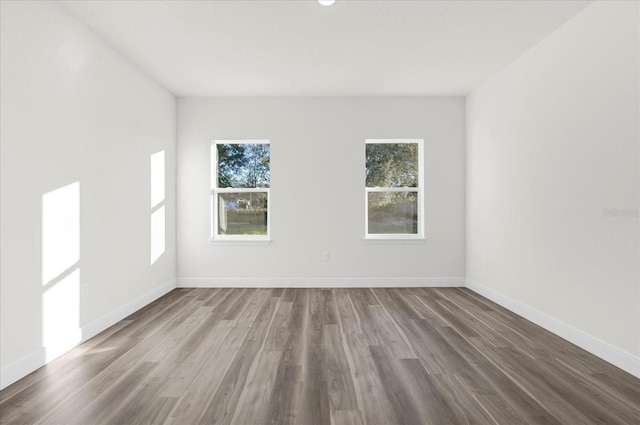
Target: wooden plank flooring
column 324, row 356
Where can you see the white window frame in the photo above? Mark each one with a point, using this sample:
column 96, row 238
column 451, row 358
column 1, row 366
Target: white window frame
column 215, row 190
column 419, row 191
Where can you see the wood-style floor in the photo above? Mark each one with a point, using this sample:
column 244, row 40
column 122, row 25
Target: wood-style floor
column 324, row 356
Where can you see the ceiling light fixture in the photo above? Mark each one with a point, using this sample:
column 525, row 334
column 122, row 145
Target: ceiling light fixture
column 326, row 2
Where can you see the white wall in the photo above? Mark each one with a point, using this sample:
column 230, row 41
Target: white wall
column 73, row 110
column 552, row 142
column 317, row 189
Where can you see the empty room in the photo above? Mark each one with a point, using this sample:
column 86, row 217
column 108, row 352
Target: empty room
column 334, row 212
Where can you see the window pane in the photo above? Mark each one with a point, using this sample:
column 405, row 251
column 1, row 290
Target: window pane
column 242, row 213
column 243, row 165
column 392, row 164
column 393, row 212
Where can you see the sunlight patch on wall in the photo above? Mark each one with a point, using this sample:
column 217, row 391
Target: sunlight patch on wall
column 60, row 231
column 61, row 269
column 61, row 315
column 157, row 234
column 157, row 205
column 157, row 178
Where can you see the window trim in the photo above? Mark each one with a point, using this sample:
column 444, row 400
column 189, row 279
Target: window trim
column 215, row 190
column 419, row 190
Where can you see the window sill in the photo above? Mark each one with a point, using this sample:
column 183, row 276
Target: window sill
column 395, row 241
column 240, row 241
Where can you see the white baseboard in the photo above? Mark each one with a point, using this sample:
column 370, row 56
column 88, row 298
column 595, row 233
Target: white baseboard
column 38, row 358
column 330, row 282
column 95, row 327
column 22, row 367
column 595, row 346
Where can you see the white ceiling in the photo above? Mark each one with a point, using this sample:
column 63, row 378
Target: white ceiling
column 300, row 48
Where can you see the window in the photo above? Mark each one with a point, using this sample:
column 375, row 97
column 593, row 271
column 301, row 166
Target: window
column 240, row 182
column 393, row 189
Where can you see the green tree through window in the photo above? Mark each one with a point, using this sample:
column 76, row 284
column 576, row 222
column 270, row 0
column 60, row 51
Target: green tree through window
column 392, row 187
column 392, row 164
column 241, row 190
column 243, row 165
